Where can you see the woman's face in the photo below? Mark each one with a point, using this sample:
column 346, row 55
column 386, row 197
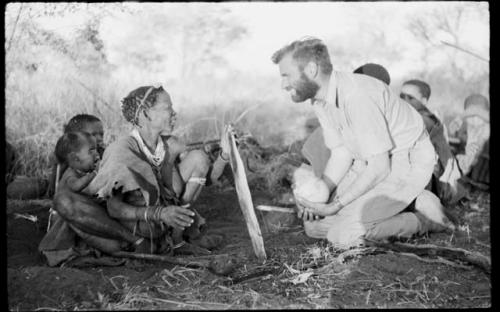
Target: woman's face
column 162, row 115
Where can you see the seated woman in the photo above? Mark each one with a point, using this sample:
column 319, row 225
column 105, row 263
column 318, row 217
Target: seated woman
column 140, row 195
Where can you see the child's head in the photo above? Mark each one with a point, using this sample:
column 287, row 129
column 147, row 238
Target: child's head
column 477, row 108
column 78, row 150
column 89, row 124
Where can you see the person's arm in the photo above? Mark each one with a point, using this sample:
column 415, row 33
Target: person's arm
column 337, row 166
column 178, row 217
column 475, row 142
column 378, row 167
column 77, row 184
column 223, row 158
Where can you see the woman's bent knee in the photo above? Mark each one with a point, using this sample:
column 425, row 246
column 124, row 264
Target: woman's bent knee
column 198, row 160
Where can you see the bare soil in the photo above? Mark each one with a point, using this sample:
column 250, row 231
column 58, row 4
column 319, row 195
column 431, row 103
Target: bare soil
column 300, row 272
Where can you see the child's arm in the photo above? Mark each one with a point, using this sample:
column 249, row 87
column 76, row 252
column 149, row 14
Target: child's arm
column 77, row 184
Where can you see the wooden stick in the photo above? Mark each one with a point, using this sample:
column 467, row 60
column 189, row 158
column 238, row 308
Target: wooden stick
column 245, row 199
column 474, row 258
column 275, row 208
column 218, row 264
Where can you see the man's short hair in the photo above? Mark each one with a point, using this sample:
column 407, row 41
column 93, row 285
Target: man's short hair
column 304, row 51
column 424, row 88
column 374, row 70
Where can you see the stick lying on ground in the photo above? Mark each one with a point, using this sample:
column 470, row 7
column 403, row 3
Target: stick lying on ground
column 460, row 254
column 275, row 208
column 219, row 264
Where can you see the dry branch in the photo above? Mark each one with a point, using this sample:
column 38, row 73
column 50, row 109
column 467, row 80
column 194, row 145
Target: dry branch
column 460, row 254
column 218, row 264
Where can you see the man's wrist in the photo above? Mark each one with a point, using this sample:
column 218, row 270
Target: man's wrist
column 337, row 202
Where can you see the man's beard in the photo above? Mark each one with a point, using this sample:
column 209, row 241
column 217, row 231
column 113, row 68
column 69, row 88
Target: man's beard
column 305, row 89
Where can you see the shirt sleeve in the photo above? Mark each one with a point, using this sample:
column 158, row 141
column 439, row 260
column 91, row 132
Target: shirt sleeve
column 368, row 125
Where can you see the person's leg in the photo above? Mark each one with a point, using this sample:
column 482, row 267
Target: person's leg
column 193, row 170
column 410, row 172
column 87, row 216
column 191, row 177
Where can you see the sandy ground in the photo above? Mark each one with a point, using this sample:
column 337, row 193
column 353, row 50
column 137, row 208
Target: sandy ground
column 300, row 272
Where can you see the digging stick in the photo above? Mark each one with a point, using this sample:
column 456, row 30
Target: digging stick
column 245, row 199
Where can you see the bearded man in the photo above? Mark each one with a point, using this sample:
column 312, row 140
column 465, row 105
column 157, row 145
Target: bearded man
column 381, row 157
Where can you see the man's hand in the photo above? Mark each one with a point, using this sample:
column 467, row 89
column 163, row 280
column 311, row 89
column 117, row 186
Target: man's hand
column 177, row 217
column 313, row 210
column 303, row 210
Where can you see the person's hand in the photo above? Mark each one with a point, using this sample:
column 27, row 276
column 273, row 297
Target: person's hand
column 454, row 126
column 225, row 143
column 177, row 217
column 316, row 209
column 303, row 211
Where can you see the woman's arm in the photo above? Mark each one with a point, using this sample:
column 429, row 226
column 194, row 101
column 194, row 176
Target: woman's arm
column 178, row 217
column 377, row 169
column 223, row 158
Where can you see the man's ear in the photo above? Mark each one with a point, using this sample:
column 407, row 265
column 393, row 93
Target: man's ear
column 311, row 70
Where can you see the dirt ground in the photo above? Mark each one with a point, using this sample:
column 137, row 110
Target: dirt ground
column 300, row 273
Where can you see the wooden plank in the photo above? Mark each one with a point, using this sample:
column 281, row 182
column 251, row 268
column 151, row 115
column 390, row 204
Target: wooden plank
column 245, row 199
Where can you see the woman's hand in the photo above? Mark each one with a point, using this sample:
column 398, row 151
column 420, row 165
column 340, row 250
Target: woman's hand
column 177, row 217
column 310, row 211
column 225, row 143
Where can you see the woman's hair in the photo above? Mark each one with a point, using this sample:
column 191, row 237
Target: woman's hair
column 70, row 142
column 138, row 100
column 78, row 122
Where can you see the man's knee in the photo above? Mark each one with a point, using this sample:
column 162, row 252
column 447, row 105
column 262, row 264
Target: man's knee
column 198, row 160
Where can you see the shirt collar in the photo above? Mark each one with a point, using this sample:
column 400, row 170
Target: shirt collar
column 331, row 93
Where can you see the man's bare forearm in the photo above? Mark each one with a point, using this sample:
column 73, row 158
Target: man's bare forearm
column 376, row 170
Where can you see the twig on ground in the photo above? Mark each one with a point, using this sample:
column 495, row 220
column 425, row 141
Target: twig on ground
column 463, row 255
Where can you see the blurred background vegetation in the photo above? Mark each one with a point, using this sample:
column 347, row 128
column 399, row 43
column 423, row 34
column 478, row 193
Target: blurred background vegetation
column 209, row 56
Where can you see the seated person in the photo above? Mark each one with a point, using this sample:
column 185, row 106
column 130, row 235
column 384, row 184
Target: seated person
column 142, row 188
column 84, row 123
column 76, row 151
column 472, row 129
column 444, row 181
